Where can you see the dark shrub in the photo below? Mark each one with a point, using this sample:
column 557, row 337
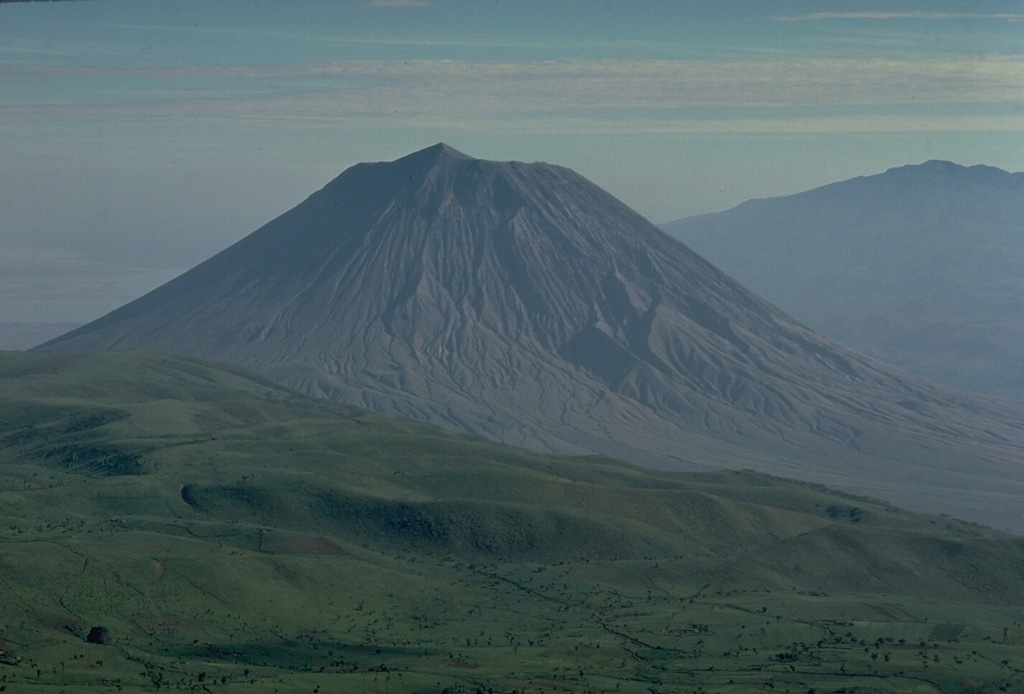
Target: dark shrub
column 98, row 635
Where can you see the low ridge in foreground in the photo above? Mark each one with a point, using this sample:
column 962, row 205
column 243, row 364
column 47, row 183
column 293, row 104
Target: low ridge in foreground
column 169, row 524
column 524, row 303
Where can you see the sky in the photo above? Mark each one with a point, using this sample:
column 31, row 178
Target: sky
column 139, row 137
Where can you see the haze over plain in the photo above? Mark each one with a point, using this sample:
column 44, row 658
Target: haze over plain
column 140, row 138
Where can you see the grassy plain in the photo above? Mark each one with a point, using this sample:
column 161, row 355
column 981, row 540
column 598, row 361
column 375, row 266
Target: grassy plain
column 230, row 536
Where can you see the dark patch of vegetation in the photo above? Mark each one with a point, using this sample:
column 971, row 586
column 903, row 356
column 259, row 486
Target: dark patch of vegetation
column 98, row 635
column 94, row 460
column 852, row 514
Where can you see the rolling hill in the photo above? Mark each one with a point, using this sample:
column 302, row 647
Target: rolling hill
column 524, row 303
column 173, row 524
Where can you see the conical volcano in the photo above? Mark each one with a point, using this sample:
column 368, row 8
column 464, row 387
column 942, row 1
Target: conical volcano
column 522, row 302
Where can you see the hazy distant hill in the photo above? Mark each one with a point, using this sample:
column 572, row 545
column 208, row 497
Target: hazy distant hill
column 921, row 266
column 522, row 302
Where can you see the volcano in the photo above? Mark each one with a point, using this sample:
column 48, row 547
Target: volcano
column 523, row 303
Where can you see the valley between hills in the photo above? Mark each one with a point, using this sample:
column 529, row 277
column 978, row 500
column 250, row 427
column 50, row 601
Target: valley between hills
column 169, row 524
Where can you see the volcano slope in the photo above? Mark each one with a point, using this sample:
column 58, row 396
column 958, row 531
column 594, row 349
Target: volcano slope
column 172, row 525
column 524, row 303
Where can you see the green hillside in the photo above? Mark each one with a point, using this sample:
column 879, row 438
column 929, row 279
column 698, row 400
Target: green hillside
column 229, row 535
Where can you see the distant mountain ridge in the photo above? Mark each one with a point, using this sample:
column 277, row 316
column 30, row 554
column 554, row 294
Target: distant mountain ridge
column 522, row 302
column 921, row 266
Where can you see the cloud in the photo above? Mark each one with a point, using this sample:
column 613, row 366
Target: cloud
column 681, row 125
column 571, row 84
column 822, row 16
column 401, row 3
column 657, row 95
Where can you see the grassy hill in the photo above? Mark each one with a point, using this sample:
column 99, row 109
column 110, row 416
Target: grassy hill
column 229, row 535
